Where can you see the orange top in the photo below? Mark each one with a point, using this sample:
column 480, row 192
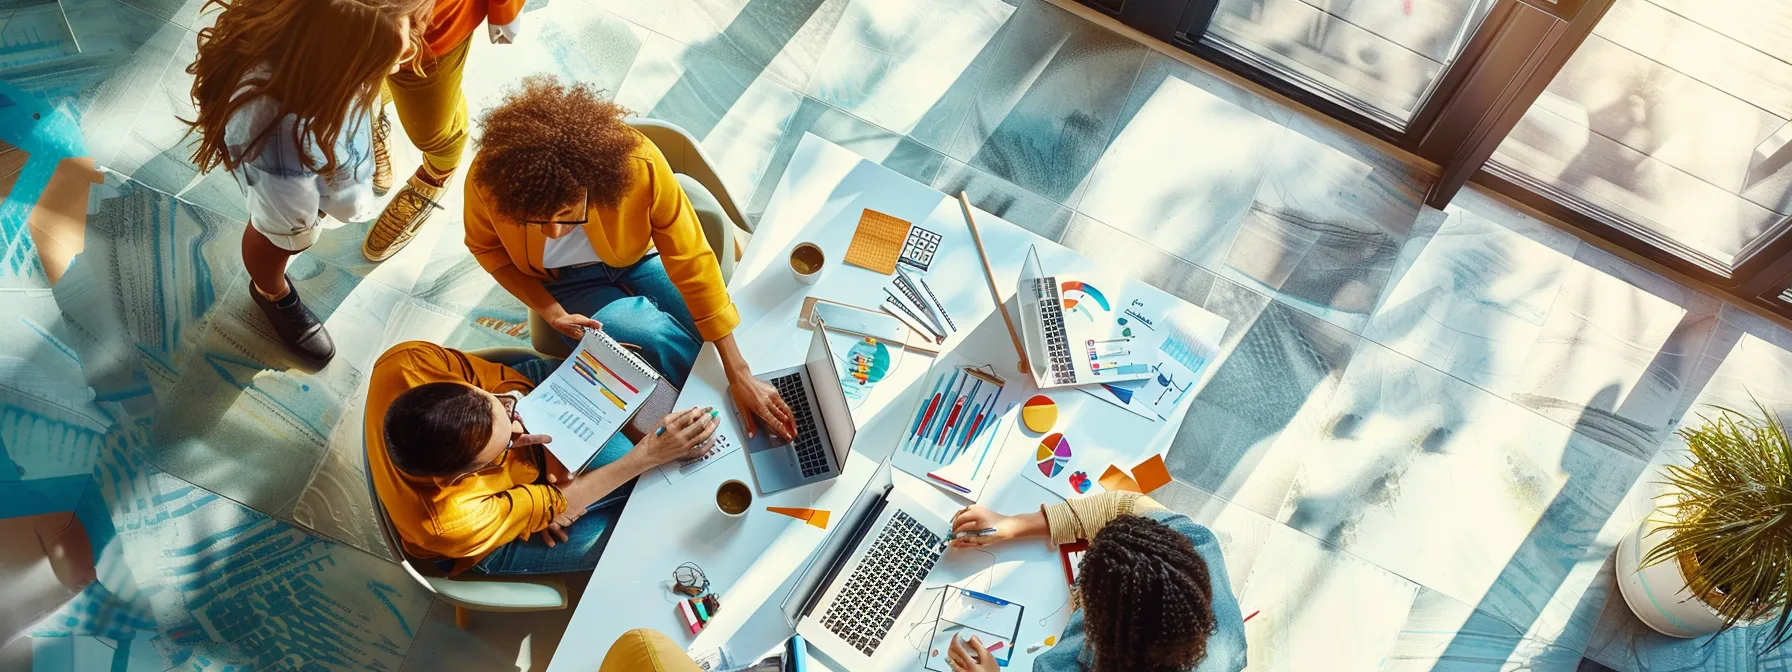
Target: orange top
column 455, row 20
column 463, row 517
column 654, row 214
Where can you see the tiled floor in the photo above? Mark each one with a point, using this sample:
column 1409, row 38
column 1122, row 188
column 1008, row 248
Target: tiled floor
column 1428, row 432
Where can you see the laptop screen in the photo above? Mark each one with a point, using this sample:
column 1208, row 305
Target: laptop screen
column 830, row 395
column 837, row 547
column 1030, row 273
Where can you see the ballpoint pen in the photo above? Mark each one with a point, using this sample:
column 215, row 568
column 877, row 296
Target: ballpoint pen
column 936, row 300
column 923, row 324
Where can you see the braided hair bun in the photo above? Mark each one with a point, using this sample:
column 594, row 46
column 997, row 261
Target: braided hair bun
column 1147, row 598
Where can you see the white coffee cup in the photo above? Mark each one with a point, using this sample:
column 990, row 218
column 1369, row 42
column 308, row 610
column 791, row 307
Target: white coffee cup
column 806, row 262
column 733, row 498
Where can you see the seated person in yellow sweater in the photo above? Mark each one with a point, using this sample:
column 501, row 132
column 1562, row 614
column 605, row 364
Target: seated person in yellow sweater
column 468, row 487
column 580, row 217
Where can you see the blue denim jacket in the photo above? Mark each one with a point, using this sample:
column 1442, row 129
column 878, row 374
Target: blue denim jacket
column 1225, row 648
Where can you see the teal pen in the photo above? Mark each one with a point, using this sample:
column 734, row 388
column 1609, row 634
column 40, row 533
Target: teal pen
column 662, row 428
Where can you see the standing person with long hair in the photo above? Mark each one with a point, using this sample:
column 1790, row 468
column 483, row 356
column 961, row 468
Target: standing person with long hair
column 433, row 111
column 285, row 91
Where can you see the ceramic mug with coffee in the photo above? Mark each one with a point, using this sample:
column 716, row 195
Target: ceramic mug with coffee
column 806, row 261
column 733, row 498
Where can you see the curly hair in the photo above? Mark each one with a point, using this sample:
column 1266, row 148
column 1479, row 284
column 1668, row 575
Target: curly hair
column 546, row 142
column 1147, row 598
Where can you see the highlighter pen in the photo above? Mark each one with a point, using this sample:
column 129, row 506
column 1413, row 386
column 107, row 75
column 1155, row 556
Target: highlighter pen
column 961, row 489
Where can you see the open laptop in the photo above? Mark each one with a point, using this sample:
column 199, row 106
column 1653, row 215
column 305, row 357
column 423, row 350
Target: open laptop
column 1065, row 351
column 824, row 426
column 849, row 599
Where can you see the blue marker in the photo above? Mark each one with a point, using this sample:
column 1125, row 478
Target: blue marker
column 986, row 598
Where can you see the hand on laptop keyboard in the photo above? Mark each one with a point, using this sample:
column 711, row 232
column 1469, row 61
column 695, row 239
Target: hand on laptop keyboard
column 759, row 404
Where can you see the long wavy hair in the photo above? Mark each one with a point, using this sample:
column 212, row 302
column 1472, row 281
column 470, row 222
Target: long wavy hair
column 323, row 60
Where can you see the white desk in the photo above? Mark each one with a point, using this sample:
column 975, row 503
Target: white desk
column 750, row 560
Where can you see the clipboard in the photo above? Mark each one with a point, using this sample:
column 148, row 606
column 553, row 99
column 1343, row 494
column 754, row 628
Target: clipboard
column 966, row 613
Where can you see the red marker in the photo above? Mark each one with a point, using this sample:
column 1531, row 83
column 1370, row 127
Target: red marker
column 1247, row 619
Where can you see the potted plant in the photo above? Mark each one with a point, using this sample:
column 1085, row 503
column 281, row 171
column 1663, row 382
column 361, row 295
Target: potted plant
column 1720, row 555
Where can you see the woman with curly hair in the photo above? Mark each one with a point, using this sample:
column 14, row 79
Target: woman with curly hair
column 580, row 217
column 285, row 91
column 1152, row 588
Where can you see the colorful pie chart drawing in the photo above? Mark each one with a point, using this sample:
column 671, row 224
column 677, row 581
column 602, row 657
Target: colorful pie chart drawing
column 1053, row 454
column 1078, row 295
column 1039, row 413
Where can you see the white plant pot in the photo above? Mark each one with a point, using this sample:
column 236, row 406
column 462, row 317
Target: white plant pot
column 1658, row 594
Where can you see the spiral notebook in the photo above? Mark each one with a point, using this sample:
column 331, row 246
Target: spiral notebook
column 593, row 394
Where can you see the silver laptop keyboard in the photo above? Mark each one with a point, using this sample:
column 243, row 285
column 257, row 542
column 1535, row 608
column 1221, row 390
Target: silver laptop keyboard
column 865, row 609
column 810, row 456
column 1057, row 343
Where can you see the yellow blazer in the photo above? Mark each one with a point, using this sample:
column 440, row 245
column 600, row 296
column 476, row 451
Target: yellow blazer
column 654, row 214
column 463, row 517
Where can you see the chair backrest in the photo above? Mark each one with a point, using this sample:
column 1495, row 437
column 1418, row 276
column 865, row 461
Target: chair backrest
column 387, row 531
column 687, row 156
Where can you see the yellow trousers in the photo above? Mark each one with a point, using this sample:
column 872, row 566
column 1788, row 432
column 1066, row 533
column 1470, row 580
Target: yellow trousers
column 433, row 111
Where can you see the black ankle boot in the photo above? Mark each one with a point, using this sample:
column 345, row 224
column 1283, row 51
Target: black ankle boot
column 299, row 330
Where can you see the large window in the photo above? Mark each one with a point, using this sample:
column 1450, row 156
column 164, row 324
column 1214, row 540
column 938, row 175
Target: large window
column 1672, row 117
column 1384, row 56
column 1661, row 126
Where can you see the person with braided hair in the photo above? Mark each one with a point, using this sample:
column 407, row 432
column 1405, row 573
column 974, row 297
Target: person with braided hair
column 1152, row 593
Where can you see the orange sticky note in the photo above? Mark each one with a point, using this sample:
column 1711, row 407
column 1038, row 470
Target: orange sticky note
column 1151, row 474
column 816, row 517
column 1116, row 480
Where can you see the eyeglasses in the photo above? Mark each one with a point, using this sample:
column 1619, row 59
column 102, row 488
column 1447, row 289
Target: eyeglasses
column 509, row 402
column 584, row 207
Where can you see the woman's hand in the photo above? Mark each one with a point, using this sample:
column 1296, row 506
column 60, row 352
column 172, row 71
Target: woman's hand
column 970, row 656
column 974, row 518
column 686, row 434
column 573, row 325
column 555, row 534
column 756, row 399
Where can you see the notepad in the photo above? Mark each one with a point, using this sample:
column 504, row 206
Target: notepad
column 588, row 399
column 877, row 243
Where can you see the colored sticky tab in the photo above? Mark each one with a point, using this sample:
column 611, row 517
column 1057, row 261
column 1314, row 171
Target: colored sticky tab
column 1116, row 480
column 1151, row 474
column 815, row 517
